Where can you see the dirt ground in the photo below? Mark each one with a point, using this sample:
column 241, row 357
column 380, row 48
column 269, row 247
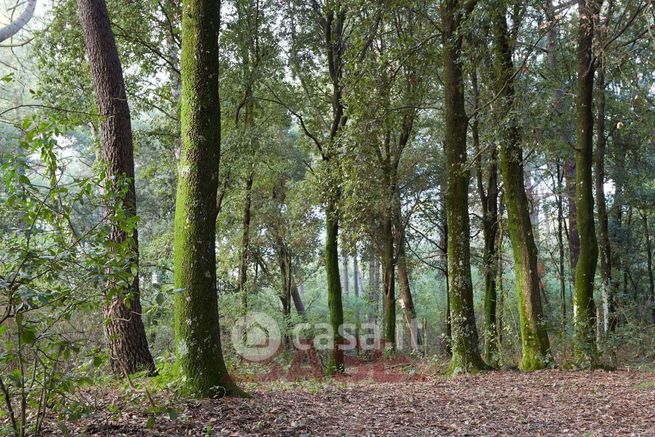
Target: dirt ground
column 545, row 403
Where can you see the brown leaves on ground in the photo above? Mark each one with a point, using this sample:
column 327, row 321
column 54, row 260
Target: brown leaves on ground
column 551, row 402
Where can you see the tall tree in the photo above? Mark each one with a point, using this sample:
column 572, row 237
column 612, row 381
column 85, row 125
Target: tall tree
column 465, row 351
column 489, row 200
column 535, row 347
column 197, row 332
column 584, row 308
column 123, row 325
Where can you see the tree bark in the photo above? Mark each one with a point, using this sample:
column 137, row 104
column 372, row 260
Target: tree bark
column 605, row 251
column 124, row 328
column 245, row 244
column 649, row 263
column 584, row 308
column 197, row 332
column 489, row 201
column 336, row 357
column 406, row 300
column 465, row 351
column 346, row 274
column 535, row 347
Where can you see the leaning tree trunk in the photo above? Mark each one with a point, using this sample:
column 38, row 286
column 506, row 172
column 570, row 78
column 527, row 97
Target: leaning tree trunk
column 197, row 331
column 535, row 347
column 124, row 328
column 406, row 300
column 465, row 351
column 584, row 308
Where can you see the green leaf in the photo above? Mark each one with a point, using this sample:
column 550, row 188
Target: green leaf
column 28, row 336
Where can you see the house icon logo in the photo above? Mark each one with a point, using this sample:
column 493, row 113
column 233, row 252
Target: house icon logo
column 256, row 337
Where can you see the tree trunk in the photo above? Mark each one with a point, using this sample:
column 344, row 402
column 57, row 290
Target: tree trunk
column 336, row 358
column 603, row 222
column 584, row 308
column 197, row 332
column 346, row 274
column 406, row 300
column 560, row 243
column 535, row 347
column 124, row 328
column 649, row 263
column 356, row 291
column 465, row 352
column 388, row 269
column 489, row 201
column 245, row 244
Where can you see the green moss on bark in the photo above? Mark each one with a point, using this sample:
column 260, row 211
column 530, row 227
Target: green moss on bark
column 197, row 336
column 336, row 358
column 535, row 346
column 465, row 349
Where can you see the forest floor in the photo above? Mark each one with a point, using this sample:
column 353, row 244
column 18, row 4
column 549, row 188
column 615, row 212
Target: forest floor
column 389, row 400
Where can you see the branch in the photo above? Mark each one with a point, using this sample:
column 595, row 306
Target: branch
column 15, row 26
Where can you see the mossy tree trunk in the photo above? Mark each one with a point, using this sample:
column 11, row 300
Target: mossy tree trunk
column 584, row 308
column 197, row 332
column 535, row 346
column 124, row 328
column 465, row 350
column 336, row 357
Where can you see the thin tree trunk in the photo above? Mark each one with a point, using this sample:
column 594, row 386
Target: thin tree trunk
column 197, row 331
column 603, row 222
column 465, row 351
column 584, row 308
column 535, row 346
column 388, row 270
column 406, row 300
column 560, row 243
column 124, row 328
column 346, row 273
column 649, row 262
column 489, row 201
column 356, row 291
column 245, row 244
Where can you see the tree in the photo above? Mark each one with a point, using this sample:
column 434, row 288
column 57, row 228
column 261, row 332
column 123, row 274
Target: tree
column 535, row 347
column 197, row 332
column 465, row 352
column 123, row 325
column 584, row 308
